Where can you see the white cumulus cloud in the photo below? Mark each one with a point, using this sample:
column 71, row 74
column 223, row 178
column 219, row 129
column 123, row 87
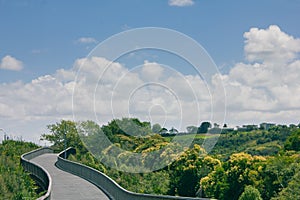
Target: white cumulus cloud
column 181, row 3
column 109, row 90
column 98, row 87
column 10, row 63
column 270, row 45
column 86, row 40
column 152, row 70
column 266, row 86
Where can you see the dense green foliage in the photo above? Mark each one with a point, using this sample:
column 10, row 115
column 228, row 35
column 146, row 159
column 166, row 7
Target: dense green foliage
column 293, row 141
column 250, row 193
column 63, row 134
column 243, row 165
column 156, row 128
column 203, row 128
column 14, row 182
column 256, row 142
column 292, row 191
column 188, row 169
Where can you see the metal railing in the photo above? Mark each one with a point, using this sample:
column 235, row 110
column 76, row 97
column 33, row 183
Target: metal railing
column 41, row 175
column 105, row 183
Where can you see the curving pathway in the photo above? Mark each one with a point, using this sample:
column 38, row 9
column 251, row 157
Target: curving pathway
column 65, row 185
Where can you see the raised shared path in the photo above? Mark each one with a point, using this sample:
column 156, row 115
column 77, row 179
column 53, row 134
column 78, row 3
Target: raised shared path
column 67, row 186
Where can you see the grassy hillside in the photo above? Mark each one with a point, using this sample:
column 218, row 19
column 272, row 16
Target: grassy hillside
column 265, row 160
column 14, row 182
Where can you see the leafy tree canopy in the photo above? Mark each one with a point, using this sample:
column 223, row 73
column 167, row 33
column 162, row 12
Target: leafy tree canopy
column 64, row 131
column 156, row 128
column 293, row 141
column 204, row 127
column 250, row 193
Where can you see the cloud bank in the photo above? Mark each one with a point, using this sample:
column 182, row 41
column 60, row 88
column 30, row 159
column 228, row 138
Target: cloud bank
column 264, row 87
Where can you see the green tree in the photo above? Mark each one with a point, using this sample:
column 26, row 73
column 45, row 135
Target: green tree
column 293, row 141
column 277, row 173
column 215, row 184
column 92, row 136
column 59, row 132
column 203, row 128
column 186, row 172
column 126, row 126
column 192, row 129
column 250, row 193
column 156, row 128
column 292, row 191
column 228, row 181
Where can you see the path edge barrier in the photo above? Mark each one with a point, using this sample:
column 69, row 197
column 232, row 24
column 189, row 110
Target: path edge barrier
column 112, row 189
column 41, row 175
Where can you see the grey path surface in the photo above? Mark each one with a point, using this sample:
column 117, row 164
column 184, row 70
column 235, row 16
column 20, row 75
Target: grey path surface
column 66, row 186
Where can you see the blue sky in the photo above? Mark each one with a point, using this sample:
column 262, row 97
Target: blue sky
column 43, row 34
column 39, row 38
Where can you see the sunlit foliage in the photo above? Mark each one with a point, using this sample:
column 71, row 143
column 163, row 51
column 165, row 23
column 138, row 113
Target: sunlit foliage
column 15, row 183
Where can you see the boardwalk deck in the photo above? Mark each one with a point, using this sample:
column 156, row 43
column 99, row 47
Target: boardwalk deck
column 65, row 185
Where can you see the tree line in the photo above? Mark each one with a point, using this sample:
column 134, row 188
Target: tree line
column 261, row 164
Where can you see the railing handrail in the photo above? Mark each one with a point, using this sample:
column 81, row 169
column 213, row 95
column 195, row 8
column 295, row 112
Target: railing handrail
column 38, row 171
column 108, row 185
